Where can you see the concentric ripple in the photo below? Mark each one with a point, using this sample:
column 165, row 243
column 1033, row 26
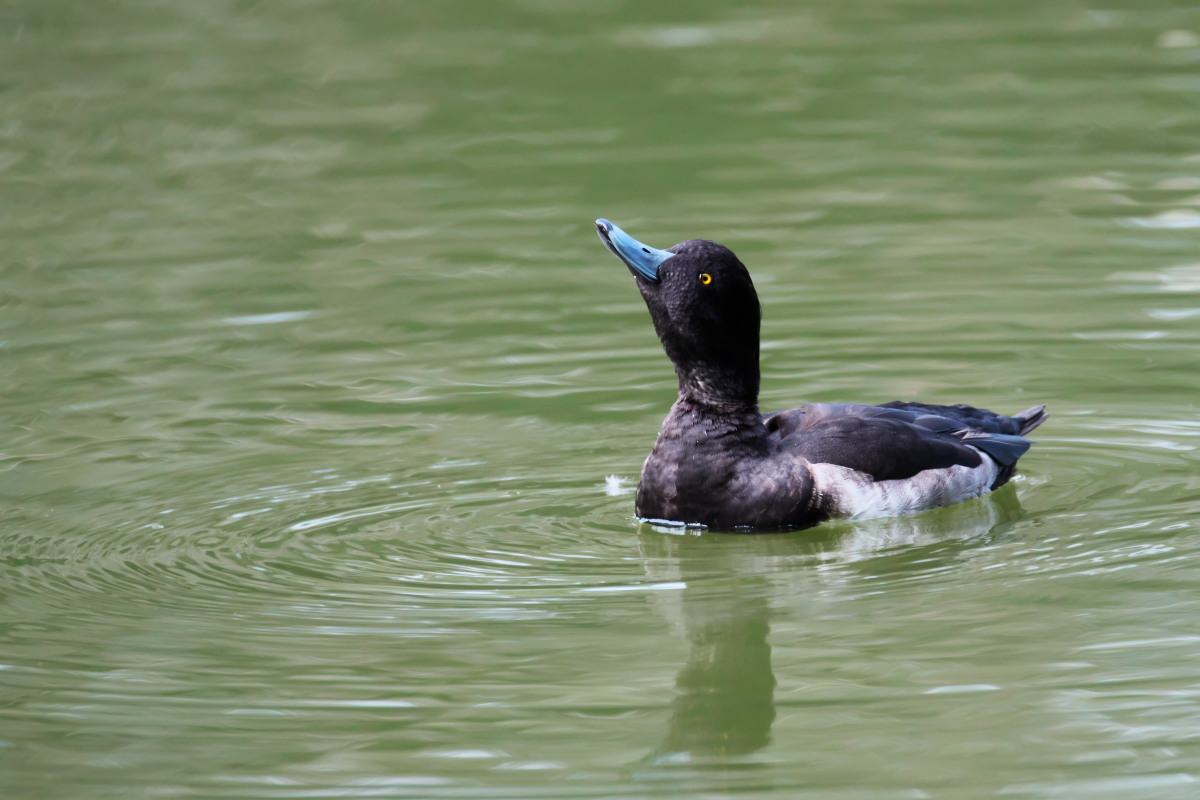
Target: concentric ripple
column 322, row 402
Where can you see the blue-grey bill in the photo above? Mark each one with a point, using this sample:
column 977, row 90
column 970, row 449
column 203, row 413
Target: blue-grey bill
column 642, row 259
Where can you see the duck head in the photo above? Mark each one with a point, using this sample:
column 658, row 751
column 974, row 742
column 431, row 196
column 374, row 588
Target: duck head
column 705, row 311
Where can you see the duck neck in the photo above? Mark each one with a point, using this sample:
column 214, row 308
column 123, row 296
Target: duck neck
column 728, row 391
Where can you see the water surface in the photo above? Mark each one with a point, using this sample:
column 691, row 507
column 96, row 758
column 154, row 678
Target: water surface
column 315, row 372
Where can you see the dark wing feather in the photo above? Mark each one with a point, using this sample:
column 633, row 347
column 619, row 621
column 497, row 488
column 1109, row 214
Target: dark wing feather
column 978, row 419
column 886, row 449
column 898, row 440
column 1005, row 449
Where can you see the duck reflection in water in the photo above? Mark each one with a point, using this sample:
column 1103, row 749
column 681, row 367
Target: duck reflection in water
column 724, row 705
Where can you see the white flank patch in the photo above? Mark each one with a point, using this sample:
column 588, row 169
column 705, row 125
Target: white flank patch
column 856, row 496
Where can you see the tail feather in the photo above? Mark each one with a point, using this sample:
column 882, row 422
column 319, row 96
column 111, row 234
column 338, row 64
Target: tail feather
column 1030, row 418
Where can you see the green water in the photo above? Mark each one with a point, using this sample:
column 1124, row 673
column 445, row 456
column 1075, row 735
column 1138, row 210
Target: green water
column 314, row 370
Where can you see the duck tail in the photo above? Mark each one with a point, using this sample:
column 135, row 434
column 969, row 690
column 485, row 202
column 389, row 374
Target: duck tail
column 1030, row 418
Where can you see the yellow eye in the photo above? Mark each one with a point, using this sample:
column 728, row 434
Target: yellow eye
column 705, row 278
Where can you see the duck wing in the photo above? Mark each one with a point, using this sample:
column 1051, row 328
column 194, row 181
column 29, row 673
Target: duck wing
column 899, row 440
column 977, row 419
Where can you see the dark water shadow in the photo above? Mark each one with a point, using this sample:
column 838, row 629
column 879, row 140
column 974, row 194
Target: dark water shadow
column 724, row 704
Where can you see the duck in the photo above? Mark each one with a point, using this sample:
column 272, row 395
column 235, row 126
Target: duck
column 719, row 462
